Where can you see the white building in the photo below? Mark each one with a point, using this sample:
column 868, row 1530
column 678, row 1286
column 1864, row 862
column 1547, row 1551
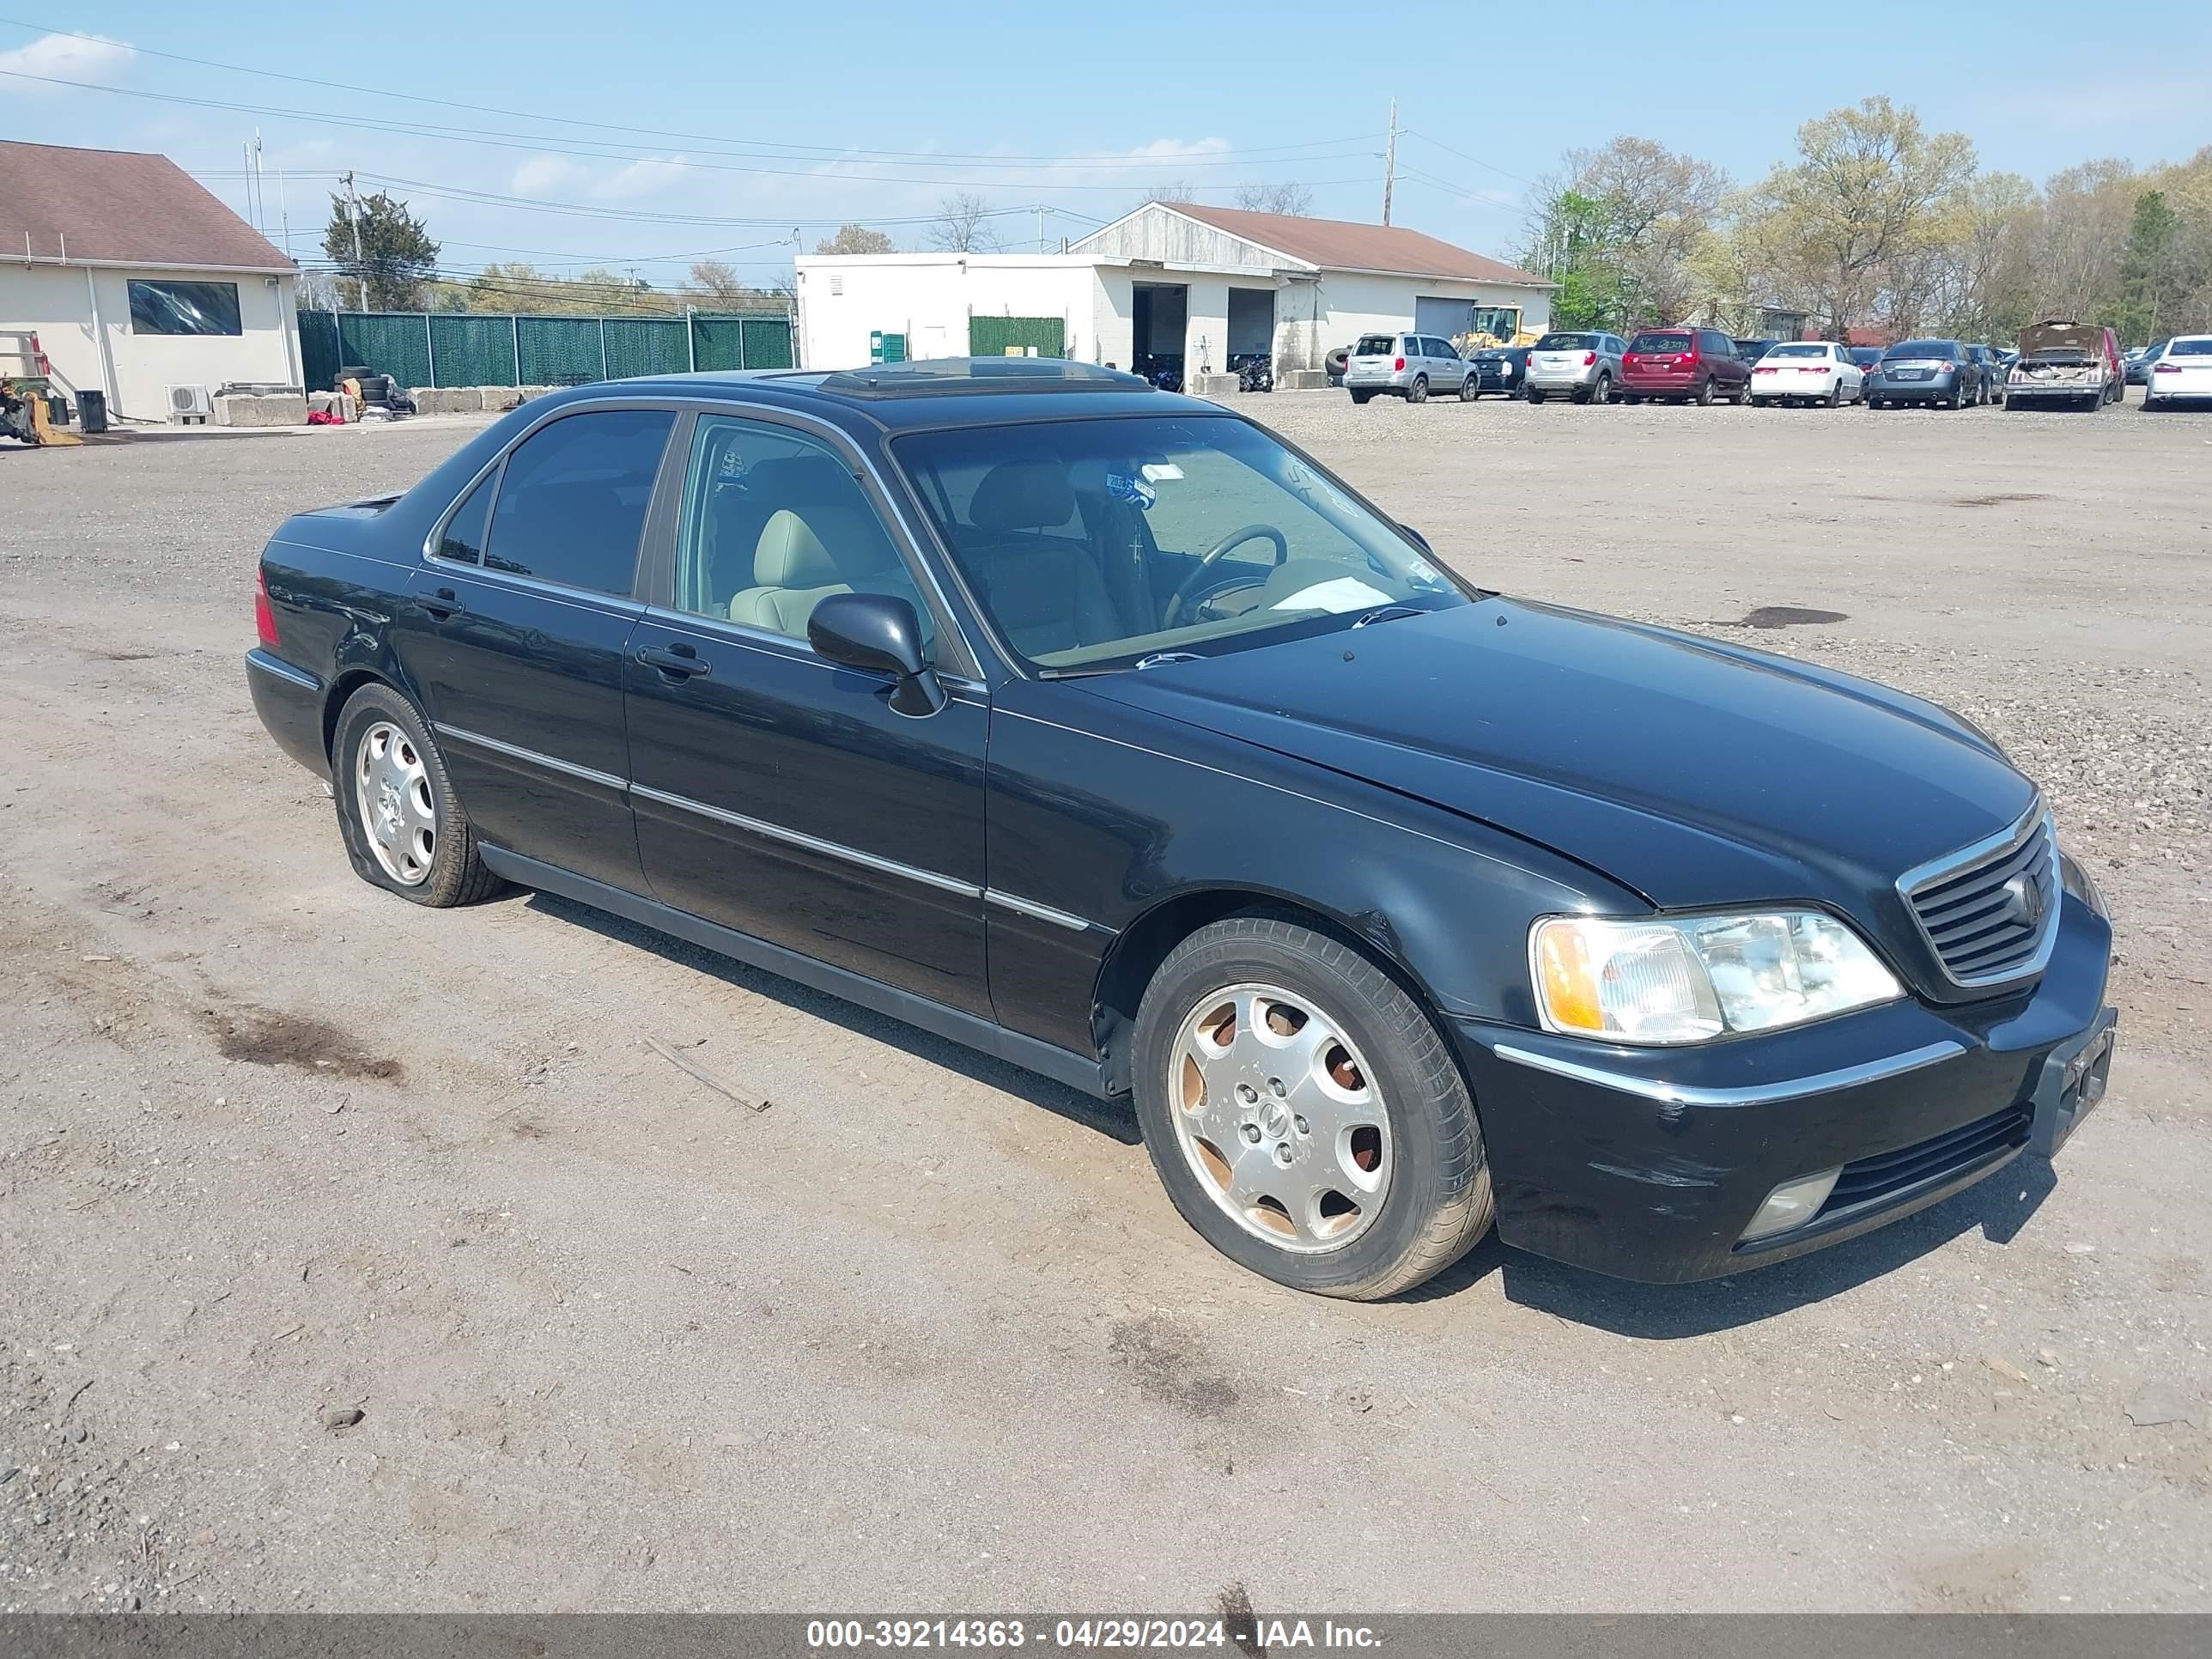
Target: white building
column 1172, row 283
column 136, row 279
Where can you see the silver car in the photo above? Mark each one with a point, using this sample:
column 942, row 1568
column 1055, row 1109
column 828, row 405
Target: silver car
column 1584, row 366
column 1409, row 365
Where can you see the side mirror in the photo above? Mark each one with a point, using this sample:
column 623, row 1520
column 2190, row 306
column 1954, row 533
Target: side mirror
column 878, row 633
column 1417, row 538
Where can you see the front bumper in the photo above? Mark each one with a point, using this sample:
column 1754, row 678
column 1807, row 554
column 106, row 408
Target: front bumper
column 1650, row 1163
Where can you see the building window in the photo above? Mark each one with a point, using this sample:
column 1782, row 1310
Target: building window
column 184, row 308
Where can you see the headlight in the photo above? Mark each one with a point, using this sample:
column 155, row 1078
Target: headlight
column 1693, row 978
column 2080, row 883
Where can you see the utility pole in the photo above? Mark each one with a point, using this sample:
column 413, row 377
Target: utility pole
column 1390, row 162
column 1040, row 212
column 353, row 217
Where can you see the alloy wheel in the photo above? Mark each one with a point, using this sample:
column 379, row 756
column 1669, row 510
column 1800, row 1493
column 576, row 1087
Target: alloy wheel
column 391, row 793
column 1278, row 1114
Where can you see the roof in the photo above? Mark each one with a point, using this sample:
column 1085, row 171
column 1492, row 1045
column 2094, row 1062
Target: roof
column 120, row 208
column 1346, row 245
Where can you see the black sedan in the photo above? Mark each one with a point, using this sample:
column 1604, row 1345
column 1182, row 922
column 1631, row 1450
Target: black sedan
column 1096, row 728
column 1937, row 373
column 1500, row 368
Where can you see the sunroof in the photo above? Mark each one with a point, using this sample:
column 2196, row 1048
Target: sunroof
column 939, row 374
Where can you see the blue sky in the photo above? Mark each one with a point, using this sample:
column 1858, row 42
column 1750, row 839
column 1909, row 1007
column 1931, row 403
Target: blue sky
column 767, row 119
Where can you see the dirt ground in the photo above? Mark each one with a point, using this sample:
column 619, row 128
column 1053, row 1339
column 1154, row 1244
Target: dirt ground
column 275, row 1149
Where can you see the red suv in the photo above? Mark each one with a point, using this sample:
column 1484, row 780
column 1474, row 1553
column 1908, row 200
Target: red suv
column 1683, row 364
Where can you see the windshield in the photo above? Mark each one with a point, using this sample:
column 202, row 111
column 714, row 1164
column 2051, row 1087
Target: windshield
column 1375, row 345
column 1799, row 351
column 1660, row 343
column 1093, row 545
column 1566, row 343
column 1908, row 349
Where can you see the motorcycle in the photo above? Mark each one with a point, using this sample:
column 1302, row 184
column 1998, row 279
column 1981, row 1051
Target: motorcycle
column 1256, row 371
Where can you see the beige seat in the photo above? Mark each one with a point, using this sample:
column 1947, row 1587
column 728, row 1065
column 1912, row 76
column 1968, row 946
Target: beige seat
column 795, row 570
column 1045, row 589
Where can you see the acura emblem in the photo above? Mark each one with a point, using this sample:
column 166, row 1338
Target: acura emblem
column 2023, row 900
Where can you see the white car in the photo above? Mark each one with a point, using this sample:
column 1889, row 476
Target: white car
column 2183, row 370
column 1808, row 372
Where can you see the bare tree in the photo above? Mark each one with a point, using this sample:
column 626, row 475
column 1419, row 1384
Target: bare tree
column 1175, row 190
column 964, row 225
column 1293, row 200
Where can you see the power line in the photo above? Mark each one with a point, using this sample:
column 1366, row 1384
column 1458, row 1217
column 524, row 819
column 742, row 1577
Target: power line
column 1491, row 166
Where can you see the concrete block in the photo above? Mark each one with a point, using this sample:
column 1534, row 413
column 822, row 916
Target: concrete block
column 525, row 393
column 283, row 409
column 461, row 400
column 498, row 400
column 334, row 403
column 1216, row 386
column 1301, row 379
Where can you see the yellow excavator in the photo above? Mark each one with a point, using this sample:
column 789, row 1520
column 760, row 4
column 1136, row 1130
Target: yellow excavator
column 26, row 393
column 1489, row 327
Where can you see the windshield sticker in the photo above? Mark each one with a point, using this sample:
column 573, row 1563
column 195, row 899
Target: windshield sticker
column 1160, row 471
column 1135, row 491
column 1422, row 571
column 1343, row 594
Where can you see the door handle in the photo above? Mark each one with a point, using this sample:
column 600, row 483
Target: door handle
column 443, row 604
column 680, row 660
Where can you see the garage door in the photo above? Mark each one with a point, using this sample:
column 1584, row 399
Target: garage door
column 1442, row 317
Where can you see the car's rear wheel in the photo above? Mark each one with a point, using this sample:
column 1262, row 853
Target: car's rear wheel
column 404, row 827
column 1705, row 395
column 1305, row 1114
column 1532, row 394
column 1419, row 391
column 1361, row 397
column 1835, row 397
column 1601, row 391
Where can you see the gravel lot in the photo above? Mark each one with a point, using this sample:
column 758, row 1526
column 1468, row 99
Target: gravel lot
column 275, row 1150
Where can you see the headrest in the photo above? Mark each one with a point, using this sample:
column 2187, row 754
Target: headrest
column 1022, row 495
column 790, row 555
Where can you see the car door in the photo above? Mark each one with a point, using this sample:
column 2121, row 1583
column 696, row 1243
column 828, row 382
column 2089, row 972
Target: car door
column 775, row 792
column 512, row 635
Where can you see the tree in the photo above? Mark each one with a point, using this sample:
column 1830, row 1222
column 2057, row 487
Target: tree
column 2147, row 271
column 1870, row 192
column 1175, row 190
column 2080, row 241
column 1292, row 200
column 855, row 239
column 964, row 225
column 715, row 286
column 1618, row 229
column 397, row 255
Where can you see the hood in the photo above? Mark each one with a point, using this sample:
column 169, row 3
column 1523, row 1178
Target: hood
column 2056, row 341
column 1694, row 772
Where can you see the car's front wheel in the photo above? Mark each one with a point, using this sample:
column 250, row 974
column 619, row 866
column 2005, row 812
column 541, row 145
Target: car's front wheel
column 404, row 827
column 1305, row 1114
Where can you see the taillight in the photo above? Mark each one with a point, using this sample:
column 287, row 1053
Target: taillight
column 1399, row 366
column 265, row 617
column 1588, row 358
column 2167, row 369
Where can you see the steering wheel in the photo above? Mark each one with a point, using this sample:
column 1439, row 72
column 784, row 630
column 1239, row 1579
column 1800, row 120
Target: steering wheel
column 1213, row 556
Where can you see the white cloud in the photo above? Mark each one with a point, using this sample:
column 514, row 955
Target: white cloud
column 67, row 57
column 544, row 175
column 648, row 177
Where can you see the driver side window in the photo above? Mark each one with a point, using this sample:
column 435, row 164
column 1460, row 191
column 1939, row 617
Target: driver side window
column 774, row 522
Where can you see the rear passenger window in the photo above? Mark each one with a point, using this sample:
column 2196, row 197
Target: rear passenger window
column 572, row 500
column 774, row 522
column 463, row 537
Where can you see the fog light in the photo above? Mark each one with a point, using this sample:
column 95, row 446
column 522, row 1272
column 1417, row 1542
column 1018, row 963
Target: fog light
column 1792, row 1204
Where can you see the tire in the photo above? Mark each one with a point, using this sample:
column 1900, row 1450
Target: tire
column 1705, row 395
column 1361, row 397
column 1602, row 393
column 1419, row 391
column 1533, row 395
column 1630, row 399
column 376, row 723
column 1956, row 401
column 1835, row 397
column 1470, row 388
column 1434, row 1201
column 1741, row 396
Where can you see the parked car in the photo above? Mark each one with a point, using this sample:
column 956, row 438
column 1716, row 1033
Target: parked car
column 1334, row 362
column 1752, row 350
column 1409, row 365
column 1583, row 366
column 754, row 661
column 2077, row 364
column 1936, row 373
column 2182, row 372
column 1685, row 365
column 1865, row 356
column 2136, row 362
column 1992, row 371
column 1500, row 368
column 1808, row 372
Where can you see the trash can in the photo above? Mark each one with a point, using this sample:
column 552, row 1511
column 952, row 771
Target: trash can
column 92, row 411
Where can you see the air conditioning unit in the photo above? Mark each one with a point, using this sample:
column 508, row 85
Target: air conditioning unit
column 190, row 403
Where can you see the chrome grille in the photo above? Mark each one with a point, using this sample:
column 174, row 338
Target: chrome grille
column 1989, row 912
